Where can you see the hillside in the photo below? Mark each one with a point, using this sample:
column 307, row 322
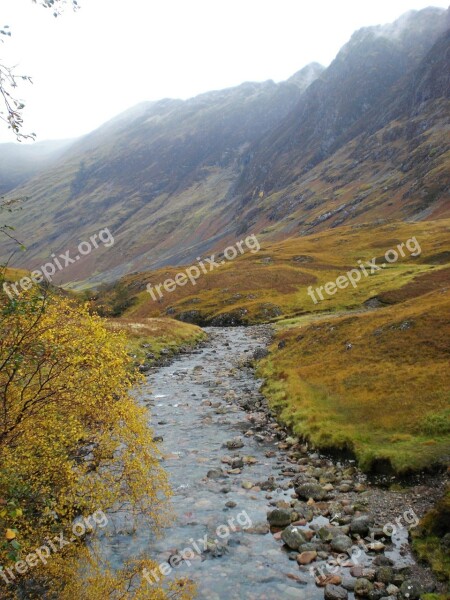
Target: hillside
column 21, row 162
column 366, row 369
column 160, row 169
column 175, row 179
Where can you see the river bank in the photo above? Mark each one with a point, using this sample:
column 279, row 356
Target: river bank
column 230, row 464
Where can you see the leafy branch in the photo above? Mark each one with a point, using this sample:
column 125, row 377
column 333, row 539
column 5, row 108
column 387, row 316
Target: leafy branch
column 11, row 112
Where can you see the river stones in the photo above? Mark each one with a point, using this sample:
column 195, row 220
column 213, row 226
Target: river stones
column 279, row 517
column 237, row 462
column 324, row 580
column 293, row 537
column 376, row 546
column 215, row 474
column 341, row 543
column 392, row 590
column 235, row 443
column 360, row 526
column 335, row 592
column 305, row 558
column 411, row 590
column 349, row 583
column 363, row 587
column 305, row 491
column 385, row 575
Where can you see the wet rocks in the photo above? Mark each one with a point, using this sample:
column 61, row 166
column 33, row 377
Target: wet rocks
column 360, row 526
column 411, row 590
column 235, row 443
column 341, row 543
column 305, row 558
column 385, row 575
column 306, row 491
column 363, row 587
column 324, row 580
column 293, row 537
column 215, row 474
column 279, row 517
column 363, row 572
column 260, row 353
column 335, row 592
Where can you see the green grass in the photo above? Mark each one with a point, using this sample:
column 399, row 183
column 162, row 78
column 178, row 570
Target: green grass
column 151, row 336
column 386, row 398
column 427, row 538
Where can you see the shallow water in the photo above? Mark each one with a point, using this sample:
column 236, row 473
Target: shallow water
column 253, row 565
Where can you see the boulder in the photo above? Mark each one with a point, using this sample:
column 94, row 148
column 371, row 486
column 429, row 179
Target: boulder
column 411, row 590
column 235, row 443
column 335, row 592
column 306, row 557
column 215, row 474
column 341, row 543
column 360, row 526
column 305, row 491
column 385, row 574
column 279, row 517
column 293, row 537
column 363, row 587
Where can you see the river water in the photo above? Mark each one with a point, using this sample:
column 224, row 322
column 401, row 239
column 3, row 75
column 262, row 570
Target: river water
column 196, row 408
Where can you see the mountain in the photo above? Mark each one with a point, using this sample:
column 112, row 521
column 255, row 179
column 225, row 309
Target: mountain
column 363, row 140
column 21, row 162
column 160, row 169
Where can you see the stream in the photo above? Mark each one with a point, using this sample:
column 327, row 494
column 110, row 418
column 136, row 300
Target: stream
column 198, row 403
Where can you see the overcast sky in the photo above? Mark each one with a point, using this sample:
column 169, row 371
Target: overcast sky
column 90, row 65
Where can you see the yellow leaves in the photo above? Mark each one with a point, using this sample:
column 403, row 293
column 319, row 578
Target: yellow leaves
column 10, row 534
column 75, row 441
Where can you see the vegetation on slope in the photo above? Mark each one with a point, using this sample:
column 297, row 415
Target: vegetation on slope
column 273, row 283
column 73, row 445
column 376, row 383
column 431, row 540
column 365, row 369
column 149, row 339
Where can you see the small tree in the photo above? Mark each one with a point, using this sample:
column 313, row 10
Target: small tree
column 72, row 442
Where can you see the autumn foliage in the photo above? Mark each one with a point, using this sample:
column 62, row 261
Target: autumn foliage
column 72, row 442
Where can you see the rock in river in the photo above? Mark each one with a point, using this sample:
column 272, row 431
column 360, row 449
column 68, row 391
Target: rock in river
column 293, row 537
column 335, row 592
column 310, row 490
column 279, row 517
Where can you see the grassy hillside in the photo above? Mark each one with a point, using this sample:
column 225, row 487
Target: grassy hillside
column 273, row 283
column 431, row 538
column 376, row 383
column 365, row 369
column 150, row 338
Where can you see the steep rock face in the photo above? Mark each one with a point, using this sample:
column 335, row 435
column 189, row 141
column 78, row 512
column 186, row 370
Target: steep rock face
column 334, row 108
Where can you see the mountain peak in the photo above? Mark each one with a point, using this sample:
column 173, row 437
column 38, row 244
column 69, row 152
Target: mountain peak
column 306, row 76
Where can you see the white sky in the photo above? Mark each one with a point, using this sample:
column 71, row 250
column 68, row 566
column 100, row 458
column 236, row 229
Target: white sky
column 90, row 65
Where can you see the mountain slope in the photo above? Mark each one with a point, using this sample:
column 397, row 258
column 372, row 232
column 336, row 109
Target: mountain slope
column 161, row 169
column 365, row 139
column 21, row 162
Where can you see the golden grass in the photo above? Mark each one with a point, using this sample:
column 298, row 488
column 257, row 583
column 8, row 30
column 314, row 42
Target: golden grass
column 386, row 397
column 279, row 275
column 377, row 383
column 156, row 334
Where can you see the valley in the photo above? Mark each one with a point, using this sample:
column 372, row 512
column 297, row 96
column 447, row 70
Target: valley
column 249, row 376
